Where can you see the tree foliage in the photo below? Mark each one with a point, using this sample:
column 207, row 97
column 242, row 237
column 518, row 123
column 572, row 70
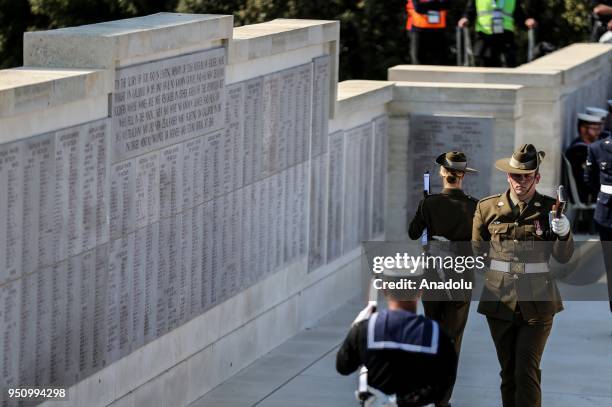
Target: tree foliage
column 372, row 31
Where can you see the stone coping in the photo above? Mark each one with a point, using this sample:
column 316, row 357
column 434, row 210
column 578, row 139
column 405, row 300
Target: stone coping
column 568, row 65
column 25, row 89
column 279, row 36
column 357, row 95
column 455, row 92
column 570, row 57
column 103, row 45
column 464, row 74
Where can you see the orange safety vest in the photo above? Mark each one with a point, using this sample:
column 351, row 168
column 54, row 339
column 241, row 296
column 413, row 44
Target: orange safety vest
column 420, row 20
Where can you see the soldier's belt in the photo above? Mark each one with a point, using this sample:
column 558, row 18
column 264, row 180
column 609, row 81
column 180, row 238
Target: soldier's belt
column 519, row 268
column 606, row 189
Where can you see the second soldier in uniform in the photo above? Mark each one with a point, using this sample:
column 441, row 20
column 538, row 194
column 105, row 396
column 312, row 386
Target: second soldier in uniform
column 598, row 173
column 448, row 215
column 517, row 232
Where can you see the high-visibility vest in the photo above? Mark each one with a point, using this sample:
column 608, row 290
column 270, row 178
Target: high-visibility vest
column 485, row 9
column 421, row 20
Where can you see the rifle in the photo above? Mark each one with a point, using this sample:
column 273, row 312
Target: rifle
column 559, row 206
column 364, row 393
column 426, row 188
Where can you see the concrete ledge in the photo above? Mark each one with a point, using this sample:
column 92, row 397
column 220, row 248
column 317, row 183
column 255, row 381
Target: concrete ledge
column 578, row 62
column 464, row 93
column 279, row 36
column 459, row 74
column 25, row 90
column 570, row 57
column 361, row 95
column 105, row 45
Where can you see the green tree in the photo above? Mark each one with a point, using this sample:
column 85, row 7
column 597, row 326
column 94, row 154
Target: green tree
column 372, row 34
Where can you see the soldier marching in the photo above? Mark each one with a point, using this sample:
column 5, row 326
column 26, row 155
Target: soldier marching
column 518, row 234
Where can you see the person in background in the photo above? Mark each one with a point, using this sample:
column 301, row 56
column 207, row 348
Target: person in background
column 602, row 11
column 406, row 354
column 496, row 22
column 426, row 26
column 589, row 129
column 603, row 114
column 598, row 174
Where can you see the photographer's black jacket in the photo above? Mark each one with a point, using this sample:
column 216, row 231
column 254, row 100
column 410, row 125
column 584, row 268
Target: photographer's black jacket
column 405, row 354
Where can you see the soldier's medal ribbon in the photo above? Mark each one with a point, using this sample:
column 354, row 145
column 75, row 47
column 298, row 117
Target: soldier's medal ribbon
column 538, row 228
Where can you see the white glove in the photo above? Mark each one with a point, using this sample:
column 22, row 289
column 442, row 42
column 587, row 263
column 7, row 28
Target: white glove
column 365, row 313
column 561, row 226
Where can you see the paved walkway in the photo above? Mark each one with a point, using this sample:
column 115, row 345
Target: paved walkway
column 577, row 365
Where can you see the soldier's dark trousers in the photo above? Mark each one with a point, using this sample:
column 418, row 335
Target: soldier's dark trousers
column 605, row 235
column 452, row 317
column 519, row 345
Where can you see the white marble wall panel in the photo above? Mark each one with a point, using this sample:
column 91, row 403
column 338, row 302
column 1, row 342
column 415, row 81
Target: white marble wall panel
column 335, row 195
column 365, row 182
column 10, row 330
column 208, row 255
column 303, row 113
column 116, row 232
column 253, row 130
column 321, row 85
column 234, row 133
column 351, row 190
column 184, row 266
column 317, row 244
column 58, row 323
column 27, row 331
column 271, row 124
column 86, row 302
column 379, row 171
column 159, row 103
column 42, row 349
column 11, row 210
column 99, row 355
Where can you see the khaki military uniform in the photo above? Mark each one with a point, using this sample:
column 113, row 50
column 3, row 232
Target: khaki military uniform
column 520, row 300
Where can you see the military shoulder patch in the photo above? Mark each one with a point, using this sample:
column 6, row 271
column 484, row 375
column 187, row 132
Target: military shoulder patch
column 486, row 198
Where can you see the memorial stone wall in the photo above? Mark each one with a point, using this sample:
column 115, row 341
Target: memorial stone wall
column 120, row 230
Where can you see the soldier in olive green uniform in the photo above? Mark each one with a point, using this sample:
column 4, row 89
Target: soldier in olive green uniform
column 448, row 215
column 520, row 297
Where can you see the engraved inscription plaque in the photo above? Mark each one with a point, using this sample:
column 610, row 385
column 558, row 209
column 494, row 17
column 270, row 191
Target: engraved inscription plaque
column 159, row 103
column 11, row 210
column 379, row 170
column 317, row 214
column 234, row 130
column 433, row 135
column 335, row 195
column 320, row 104
column 253, row 130
column 271, row 124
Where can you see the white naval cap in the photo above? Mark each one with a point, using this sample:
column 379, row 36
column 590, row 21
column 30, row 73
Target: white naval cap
column 596, row 111
column 589, row 118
